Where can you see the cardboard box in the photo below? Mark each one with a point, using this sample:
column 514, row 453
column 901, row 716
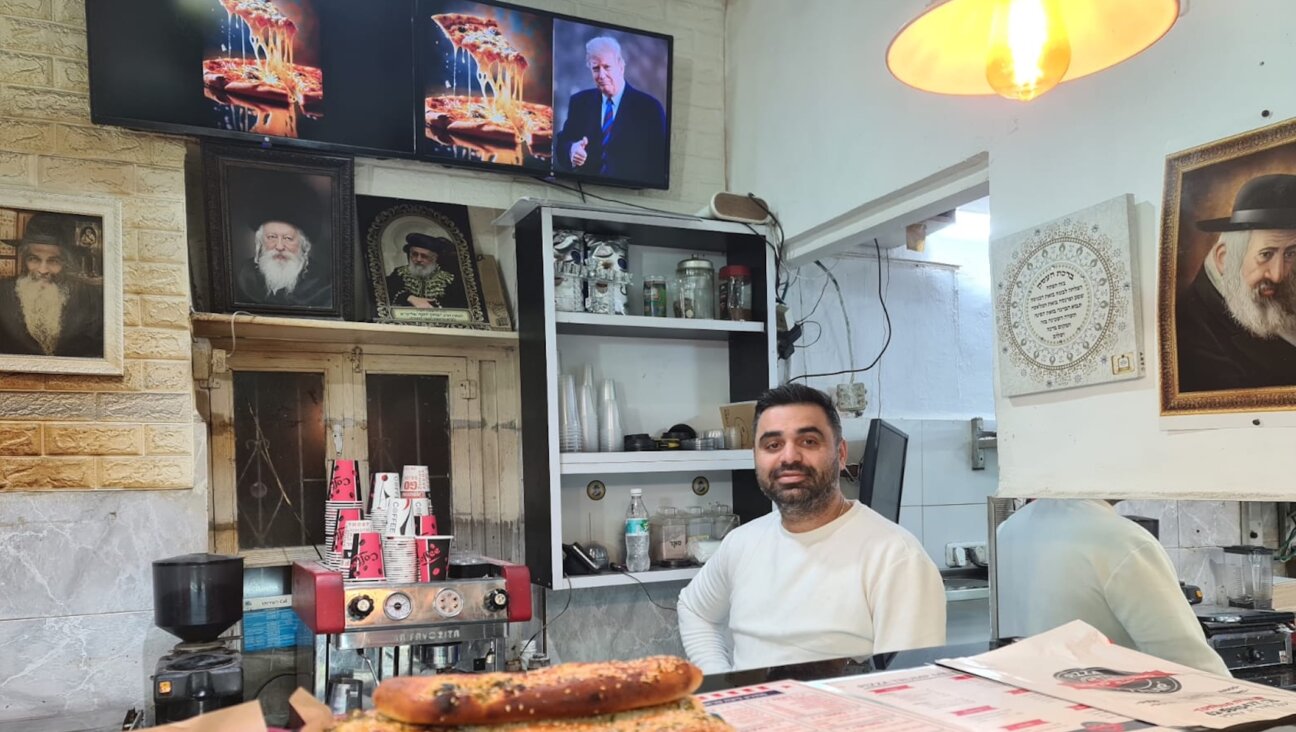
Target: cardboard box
column 313, row 715
column 740, row 415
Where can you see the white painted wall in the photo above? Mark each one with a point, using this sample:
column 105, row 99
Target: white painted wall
column 1084, row 142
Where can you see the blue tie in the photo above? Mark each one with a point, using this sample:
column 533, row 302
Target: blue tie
column 607, row 134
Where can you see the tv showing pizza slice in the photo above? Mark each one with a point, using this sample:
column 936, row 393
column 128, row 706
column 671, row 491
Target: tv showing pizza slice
column 486, row 74
column 268, row 38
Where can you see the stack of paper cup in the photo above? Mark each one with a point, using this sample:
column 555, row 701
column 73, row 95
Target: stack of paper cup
column 384, row 488
column 344, row 481
column 398, row 558
column 336, row 515
column 403, row 514
column 414, row 481
column 347, row 542
column 366, row 561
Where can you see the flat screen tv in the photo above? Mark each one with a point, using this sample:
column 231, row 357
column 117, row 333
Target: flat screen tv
column 328, row 74
column 510, row 88
column 882, row 469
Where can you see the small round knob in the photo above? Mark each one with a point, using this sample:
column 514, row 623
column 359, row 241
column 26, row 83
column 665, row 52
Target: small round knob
column 496, row 600
column 1256, row 655
column 360, row 607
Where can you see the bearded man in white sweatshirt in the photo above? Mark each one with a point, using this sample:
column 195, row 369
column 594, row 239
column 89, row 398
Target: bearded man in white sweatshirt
column 823, row 577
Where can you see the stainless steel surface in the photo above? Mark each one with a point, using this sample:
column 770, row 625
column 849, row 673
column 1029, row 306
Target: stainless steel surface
column 997, row 511
column 418, row 635
column 442, row 656
column 402, row 605
column 982, row 440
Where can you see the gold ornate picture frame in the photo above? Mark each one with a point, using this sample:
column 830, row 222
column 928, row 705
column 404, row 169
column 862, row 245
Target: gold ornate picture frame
column 1226, row 310
column 398, row 237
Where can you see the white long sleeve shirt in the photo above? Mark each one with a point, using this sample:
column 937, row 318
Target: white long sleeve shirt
column 853, row 587
column 1060, row 561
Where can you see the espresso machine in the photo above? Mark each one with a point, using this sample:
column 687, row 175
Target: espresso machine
column 364, row 632
column 196, row 597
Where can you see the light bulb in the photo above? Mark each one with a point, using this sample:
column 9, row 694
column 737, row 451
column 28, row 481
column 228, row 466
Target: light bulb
column 1029, row 49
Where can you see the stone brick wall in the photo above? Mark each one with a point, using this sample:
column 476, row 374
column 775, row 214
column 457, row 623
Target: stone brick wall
column 77, row 432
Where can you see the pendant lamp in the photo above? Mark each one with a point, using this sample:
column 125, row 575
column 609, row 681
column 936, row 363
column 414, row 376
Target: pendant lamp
column 1020, row 49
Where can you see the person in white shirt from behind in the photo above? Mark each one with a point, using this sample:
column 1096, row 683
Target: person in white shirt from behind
column 1060, row 561
column 823, row 577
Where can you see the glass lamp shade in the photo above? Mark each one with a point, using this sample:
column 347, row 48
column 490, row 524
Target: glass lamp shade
column 1020, row 49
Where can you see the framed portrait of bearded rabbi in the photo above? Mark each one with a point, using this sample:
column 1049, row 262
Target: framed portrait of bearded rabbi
column 422, row 264
column 279, row 231
column 1227, row 279
column 60, row 283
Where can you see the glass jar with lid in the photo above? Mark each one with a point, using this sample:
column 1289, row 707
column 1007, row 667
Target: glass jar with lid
column 695, row 281
column 735, row 292
column 668, row 538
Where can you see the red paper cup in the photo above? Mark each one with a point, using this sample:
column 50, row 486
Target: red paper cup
column 342, row 481
column 432, row 558
column 367, row 558
column 344, row 515
column 427, row 525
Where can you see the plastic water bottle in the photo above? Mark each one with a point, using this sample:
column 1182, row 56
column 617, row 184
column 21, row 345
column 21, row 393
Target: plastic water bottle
column 636, row 533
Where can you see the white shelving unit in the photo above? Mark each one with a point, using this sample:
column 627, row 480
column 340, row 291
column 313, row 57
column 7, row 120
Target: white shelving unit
column 617, row 579
column 667, row 370
column 692, row 461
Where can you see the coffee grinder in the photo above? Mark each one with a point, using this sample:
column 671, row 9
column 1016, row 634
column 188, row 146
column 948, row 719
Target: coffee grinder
column 196, row 597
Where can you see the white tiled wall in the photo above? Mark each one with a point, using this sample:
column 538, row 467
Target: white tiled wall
column 1188, row 531
column 944, row 500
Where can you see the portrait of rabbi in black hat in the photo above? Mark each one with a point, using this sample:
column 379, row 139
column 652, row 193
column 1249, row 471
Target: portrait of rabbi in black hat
column 285, row 267
column 428, row 279
column 47, row 308
column 1236, row 323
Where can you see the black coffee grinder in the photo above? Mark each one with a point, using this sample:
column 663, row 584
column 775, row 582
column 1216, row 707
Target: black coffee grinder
column 196, row 597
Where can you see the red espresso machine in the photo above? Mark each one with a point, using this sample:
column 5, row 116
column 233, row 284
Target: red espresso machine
column 362, row 633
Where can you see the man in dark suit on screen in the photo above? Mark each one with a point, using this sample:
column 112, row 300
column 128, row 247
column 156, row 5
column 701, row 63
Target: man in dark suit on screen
column 614, row 129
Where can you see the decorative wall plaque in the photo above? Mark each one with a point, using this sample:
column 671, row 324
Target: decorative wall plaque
column 1066, row 302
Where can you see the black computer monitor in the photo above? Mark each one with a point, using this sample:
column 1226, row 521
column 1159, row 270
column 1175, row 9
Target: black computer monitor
column 882, row 469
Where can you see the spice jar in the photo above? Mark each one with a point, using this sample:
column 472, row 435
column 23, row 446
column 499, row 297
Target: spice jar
column 695, row 278
column 668, row 532
column 735, row 292
column 654, row 296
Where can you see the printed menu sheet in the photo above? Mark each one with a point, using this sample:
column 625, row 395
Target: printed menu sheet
column 967, row 702
column 1077, row 663
column 791, row 706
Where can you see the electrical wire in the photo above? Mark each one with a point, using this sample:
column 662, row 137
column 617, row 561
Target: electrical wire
column 578, row 191
column 885, row 314
column 645, row 591
column 818, row 335
column 841, row 300
column 818, row 300
column 549, row 621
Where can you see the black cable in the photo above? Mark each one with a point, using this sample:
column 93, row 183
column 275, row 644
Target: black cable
column 818, row 335
column 266, row 683
column 580, row 188
column 645, row 591
column 674, row 214
column 545, row 625
column 885, row 313
column 778, row 262
column 782, row 237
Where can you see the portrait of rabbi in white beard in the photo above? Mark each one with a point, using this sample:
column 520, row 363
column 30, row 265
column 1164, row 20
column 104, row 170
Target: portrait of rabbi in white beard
column 282, row 271
column 47, row 309
column 1236, row 323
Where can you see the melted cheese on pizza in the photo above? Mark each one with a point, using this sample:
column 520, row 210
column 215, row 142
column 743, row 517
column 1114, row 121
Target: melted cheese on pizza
column 501, row 68
column 272, row 42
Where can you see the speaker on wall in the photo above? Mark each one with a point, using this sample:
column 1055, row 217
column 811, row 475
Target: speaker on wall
column 744, row 208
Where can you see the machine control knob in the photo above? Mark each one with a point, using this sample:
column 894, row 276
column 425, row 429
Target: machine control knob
column 360, row 607
column 496, row 600
column 1255, row 655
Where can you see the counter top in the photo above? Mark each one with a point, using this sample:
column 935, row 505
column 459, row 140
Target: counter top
column 1283, row 677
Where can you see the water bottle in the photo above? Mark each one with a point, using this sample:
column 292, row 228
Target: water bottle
column 636, row 533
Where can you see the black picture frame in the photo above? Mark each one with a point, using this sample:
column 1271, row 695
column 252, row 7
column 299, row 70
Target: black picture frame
column 385, row 227
column 250, row 188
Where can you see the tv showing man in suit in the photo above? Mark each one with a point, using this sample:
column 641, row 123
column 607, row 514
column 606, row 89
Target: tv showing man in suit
column 618, row 129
